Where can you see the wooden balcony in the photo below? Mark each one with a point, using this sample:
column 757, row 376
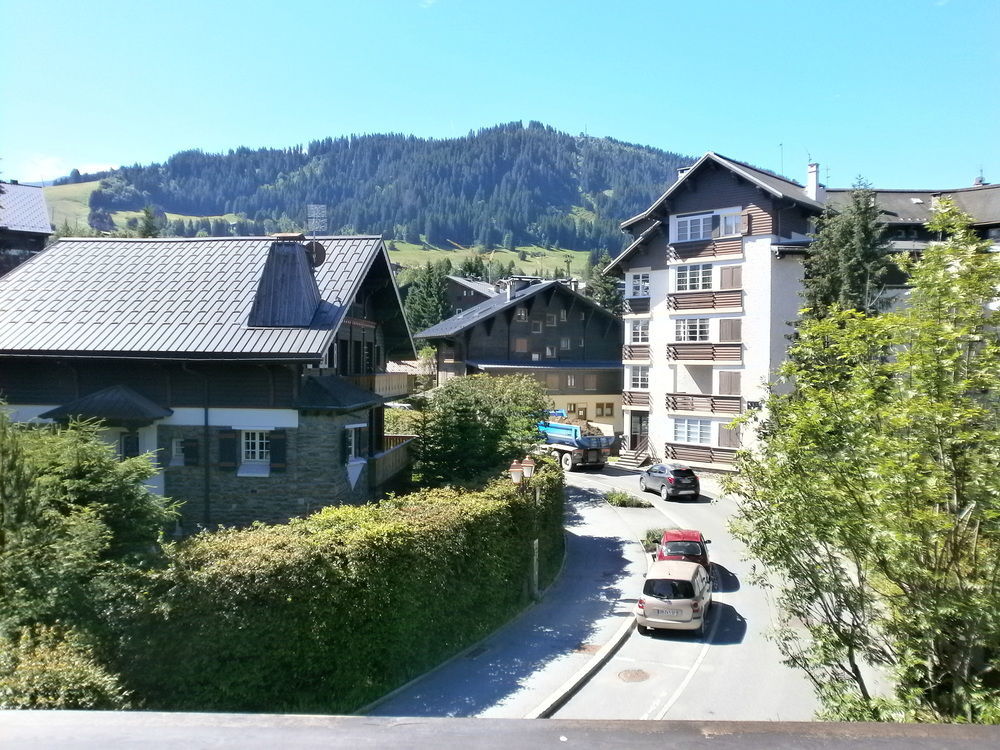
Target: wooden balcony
column 704, row 403
column 705, row 300
column 636, row 351
column 635, row 305
column 635, row 398
column 705, row 249
column 704, row 351
column 387, row 384
column 701, row 453
column 396, row 458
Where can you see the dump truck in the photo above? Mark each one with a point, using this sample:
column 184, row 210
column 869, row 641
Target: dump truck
column 569, row 442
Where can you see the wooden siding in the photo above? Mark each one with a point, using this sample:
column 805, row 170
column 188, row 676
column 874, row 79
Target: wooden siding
column 387, row 384
column 697, row 350
column 635, row 305
column 635, row 398
column 705, row 300
column 705, row 249
column 392, row 461
column 715, row 187
column 636, row 351
column 703, row 453
column 704, row 402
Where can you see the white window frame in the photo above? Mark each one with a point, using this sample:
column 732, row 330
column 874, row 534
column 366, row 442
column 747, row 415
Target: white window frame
column 550, row 319
column 694, row 277
column 563, row 315
column 565, row 343
column 638, row 284
column 521, row 314
column 730, row 224
column 550, row 351
column 536, row 326
column 692, row 431
column 694, row 227
column 535, row 356
column 691, row 329
column 571, row 383
column 580, row 342
column 255, row 453
column 355, row 451
column 638, row 377
column 639, row 331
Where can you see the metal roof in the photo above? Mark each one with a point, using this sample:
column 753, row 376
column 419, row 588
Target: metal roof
column 119, row 403
column 981, row 202
column 543, row 365
column 170, row 297
column 23, row 209
column 476, row 285
column 333, row 393
column 489, row 308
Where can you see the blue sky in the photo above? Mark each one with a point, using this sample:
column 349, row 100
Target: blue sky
column 903, row 92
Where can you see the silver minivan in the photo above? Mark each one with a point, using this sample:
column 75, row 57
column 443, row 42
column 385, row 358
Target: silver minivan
column 675, row 596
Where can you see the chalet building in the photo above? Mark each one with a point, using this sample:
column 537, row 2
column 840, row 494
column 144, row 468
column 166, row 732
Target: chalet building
column 713, row 279
column 464, row 293
column 547, row 330
column 24, row 223
column 252, row 368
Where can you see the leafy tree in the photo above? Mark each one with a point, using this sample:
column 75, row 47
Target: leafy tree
column 874, row 493
column 478, row 424
column 427, row 299
column 604, row 289
column 848, row 262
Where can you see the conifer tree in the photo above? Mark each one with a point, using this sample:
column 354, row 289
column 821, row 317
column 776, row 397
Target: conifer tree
column 604, row 289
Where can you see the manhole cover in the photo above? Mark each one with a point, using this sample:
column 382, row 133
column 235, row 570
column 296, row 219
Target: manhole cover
column 633, row 675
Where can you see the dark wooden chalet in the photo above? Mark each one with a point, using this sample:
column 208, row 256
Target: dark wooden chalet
column 464, row 293
column 252, row 368
column 24, row 223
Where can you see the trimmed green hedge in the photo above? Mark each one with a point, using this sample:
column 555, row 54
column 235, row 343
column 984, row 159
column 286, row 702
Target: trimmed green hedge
column 327, row 613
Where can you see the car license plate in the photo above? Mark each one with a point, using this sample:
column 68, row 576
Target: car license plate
column 668, row 612
column 686, row 492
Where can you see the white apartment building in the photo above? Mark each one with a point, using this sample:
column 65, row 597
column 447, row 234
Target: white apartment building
column 713, row 280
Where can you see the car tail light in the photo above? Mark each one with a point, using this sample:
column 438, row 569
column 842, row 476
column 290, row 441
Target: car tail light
column 671, row 480
column 695, row 608
column 642, row 603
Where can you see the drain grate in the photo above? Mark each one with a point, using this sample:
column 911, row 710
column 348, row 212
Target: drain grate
column 633, row 675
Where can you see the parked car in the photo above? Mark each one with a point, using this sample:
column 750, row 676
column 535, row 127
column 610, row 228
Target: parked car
column 684, row 544
column 676, row 595
column 670, row 480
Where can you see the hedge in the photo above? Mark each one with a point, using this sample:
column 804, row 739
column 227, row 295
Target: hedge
column 327, row 613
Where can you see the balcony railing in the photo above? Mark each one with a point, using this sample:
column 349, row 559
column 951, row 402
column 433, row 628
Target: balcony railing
column 705, row 403
column 705, row 249
column 635, row 398
column 635, row 305
column 705, row 300
column 387, row 384
column 395, row 459
column 635, row 443
column 704, row 351
column 702, row 453
column 636, row 351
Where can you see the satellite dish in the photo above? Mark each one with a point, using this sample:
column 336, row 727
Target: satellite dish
column 316, row 253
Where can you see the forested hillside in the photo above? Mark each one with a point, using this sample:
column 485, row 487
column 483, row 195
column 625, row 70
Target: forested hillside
column 508, row 185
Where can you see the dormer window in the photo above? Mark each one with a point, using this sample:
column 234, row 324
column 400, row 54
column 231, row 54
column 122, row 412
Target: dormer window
column 521, row 314
column 694, row 227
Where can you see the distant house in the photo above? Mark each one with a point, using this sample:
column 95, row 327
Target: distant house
column 24, row 223
column 465, row 293
column 547, row 330
column 254, row 368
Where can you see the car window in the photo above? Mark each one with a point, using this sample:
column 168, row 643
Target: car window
column 682, row 473
column 682, row 548
column 666, row 588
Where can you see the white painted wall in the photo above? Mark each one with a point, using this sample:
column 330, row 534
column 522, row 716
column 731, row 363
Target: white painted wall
column 757, row 317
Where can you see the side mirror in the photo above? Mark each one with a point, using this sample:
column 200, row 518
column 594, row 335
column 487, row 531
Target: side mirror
column 708, row 541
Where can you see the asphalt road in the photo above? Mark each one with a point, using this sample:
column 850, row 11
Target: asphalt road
column 733, row 673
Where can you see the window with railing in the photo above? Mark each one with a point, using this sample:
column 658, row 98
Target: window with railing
column 639, row 285
column 691, row 329
column 694, row 227
column 690, row 278
column 638, row 377
column 639, row 331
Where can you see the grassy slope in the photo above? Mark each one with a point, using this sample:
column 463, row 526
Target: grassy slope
column 70, row 203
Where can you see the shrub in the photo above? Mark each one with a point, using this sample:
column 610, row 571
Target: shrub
column 49, row 668
column 625, row 500
column 652, row 539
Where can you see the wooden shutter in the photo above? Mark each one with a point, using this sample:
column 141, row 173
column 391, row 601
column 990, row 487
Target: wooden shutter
column 729, row 383
column 227, row 449
column 729, row 437
column 730, row 329
column 191, row 452
column 745, row 223
column 731, row 277
column 279, row 450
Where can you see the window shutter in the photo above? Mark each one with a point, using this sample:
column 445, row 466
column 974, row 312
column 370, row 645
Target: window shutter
column 729, row 383
column 729, row 437
column 745, row 222
column 130, row 444
column 279, row 450
column 343, row 446
column 190, row 450
column 363, row 437
column 227, row 449
column 730, row 329
column 731, row 277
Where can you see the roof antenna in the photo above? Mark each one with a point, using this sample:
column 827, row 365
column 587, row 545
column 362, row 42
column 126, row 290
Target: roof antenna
column 781, row 149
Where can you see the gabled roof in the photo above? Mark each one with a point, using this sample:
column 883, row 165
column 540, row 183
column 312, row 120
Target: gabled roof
column 476, row 285
column 170, row 298
column 488, row 308
column 23, row 209
column 119, row 403
column 775, row 184
column 981, row 202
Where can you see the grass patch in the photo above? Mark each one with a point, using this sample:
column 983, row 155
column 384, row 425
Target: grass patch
column 624, row 500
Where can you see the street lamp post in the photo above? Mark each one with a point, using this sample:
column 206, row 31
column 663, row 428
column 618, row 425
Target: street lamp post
column 526, row 469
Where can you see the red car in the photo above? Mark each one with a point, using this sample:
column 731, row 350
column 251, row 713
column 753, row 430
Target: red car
column 684, row 544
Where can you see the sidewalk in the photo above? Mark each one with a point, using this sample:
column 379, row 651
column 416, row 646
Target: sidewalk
column 530, row 663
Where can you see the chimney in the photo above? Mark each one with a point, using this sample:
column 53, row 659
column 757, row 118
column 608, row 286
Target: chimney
column 510, row 289
column 813, row 189
column 681, row 171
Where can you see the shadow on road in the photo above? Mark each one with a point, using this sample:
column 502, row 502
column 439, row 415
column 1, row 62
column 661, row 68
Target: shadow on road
column 730, row 625
column 724, row 581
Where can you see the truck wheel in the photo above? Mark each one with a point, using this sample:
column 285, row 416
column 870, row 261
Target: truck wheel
column 566, row 461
